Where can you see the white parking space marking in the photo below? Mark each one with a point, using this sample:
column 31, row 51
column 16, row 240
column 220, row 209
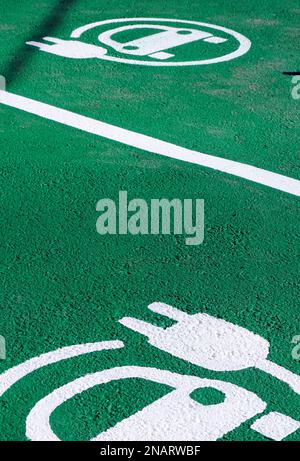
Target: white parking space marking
column 149, row 144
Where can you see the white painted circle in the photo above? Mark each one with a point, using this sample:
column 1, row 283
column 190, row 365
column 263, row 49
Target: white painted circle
column 244, row 42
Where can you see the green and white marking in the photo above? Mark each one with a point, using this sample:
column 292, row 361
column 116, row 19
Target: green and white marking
column 92, row 92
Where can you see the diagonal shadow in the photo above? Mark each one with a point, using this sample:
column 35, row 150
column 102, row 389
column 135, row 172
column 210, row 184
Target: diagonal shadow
column 13, row 68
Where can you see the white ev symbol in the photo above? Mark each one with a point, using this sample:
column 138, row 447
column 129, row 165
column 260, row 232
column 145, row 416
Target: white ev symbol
column 155, row 47
column 200, row 339
column 156, row 44
column 176, row 416
column 211, row 343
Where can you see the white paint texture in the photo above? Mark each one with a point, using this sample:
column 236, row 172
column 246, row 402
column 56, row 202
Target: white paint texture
column 275, row 426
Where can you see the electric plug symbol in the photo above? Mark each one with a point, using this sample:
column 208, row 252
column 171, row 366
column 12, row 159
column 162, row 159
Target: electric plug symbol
column 211, row 343
column 69, row 48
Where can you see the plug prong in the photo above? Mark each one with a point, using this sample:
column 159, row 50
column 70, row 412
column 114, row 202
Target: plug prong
column 141, row 327
column 168, row 311
column 37, row 44
column 54, row 40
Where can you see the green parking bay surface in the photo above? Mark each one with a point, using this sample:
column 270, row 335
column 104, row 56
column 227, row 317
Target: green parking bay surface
column 63, row 284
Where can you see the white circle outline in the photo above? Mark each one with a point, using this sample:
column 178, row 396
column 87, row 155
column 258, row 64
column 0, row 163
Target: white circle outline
column 245, row 43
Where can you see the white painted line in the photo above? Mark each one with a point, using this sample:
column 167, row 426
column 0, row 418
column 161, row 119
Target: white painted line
column 149, row 144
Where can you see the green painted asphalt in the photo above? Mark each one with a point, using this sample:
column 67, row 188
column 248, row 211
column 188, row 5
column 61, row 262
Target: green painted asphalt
column 61, row 283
